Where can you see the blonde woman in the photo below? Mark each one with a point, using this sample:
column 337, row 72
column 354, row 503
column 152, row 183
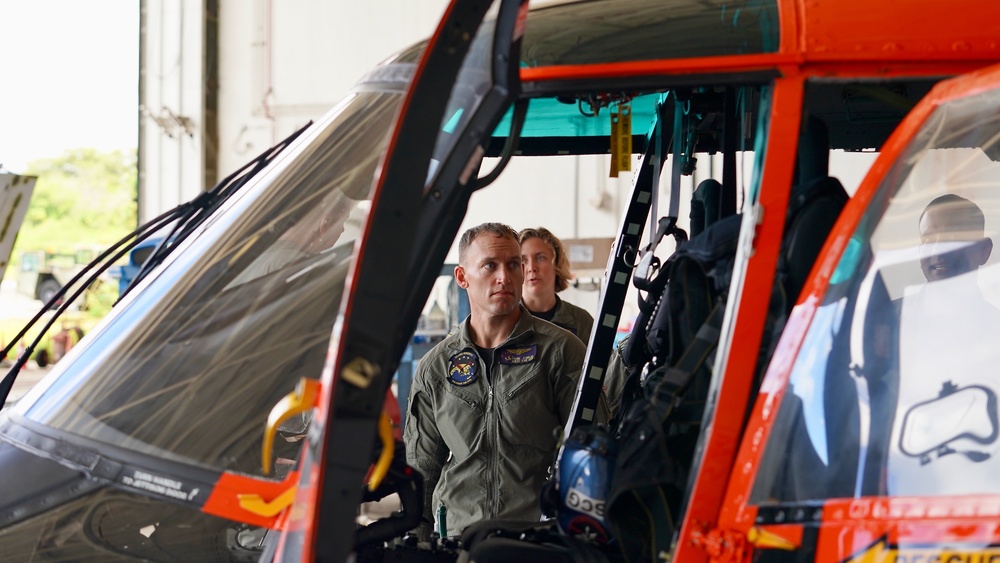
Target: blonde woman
column 546, row 273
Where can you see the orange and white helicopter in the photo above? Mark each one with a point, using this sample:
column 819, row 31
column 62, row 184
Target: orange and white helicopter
column 842, row 406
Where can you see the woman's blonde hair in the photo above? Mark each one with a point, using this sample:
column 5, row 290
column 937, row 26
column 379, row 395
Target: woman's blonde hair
column 561, row 261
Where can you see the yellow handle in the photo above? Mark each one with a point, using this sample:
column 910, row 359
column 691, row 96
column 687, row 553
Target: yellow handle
column 762, row 538
column 296, row 402
column 384, row 458
column 256, row 504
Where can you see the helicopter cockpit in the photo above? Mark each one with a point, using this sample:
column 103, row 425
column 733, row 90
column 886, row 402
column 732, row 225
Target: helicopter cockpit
column 887, row 396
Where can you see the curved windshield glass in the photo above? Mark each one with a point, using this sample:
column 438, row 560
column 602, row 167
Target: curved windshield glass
column 895, row 388
column 188, row 367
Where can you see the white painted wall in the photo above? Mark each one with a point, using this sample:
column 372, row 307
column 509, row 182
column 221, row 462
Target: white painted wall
column 281, row 64
column 171, row 128
column 284, row 62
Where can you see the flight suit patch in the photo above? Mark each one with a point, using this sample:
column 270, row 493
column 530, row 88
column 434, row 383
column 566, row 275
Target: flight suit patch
column 464, row 368
column 518, row 356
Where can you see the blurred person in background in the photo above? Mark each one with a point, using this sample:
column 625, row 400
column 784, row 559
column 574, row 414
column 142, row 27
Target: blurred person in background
column 546, row 273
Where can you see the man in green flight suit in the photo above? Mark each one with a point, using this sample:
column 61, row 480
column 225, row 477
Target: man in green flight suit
column 487, row 402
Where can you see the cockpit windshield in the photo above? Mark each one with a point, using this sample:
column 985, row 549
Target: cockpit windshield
column 189, row 365
column 894, row 391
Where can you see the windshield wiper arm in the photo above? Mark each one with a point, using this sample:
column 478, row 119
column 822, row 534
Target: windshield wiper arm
column 206, row 203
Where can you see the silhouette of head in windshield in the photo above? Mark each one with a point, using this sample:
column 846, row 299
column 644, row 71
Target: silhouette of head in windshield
column 321, row 227
column 952, row 238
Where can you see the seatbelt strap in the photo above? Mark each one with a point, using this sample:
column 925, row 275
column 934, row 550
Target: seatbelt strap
column 678, row 377
column 627, row 394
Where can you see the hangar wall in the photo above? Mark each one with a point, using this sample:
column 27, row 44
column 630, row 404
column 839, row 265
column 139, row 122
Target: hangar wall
column 223, row 80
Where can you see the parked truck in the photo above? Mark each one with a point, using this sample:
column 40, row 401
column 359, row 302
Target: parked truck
column 43, row 273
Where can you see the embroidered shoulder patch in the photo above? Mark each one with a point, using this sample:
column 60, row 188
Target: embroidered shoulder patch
column 519, row 355
column 463, row 368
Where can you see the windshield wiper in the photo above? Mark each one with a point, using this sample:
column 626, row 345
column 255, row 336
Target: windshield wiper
column 205, row 205
column 186, row 216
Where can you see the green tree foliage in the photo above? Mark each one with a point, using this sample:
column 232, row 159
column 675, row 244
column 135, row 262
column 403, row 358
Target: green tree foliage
column 85, row 197
column 83, row 200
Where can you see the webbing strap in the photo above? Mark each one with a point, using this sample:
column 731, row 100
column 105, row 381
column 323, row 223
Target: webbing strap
column 678, row 148
column 677, row 378
column 627, row 394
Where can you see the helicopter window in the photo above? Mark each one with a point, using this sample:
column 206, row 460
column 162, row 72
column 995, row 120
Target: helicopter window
column 691, row 29
column 245, row 311
column 894, row 389
column 473, row 82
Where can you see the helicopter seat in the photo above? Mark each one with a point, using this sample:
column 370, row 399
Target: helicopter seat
column 647, row 490
column 812, row 212
column 710, row 202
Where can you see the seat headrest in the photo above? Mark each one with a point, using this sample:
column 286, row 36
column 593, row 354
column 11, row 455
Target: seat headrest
column 812, row 211
column 826, row 187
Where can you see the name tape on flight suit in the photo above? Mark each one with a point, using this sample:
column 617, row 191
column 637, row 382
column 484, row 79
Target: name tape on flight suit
column 518, row 356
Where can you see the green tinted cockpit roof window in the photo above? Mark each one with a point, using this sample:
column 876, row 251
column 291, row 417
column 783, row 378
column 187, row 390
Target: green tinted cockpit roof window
column 611, row 31
column 556, row 117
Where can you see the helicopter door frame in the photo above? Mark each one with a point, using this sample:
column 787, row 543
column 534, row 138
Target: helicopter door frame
column 369, row 339
column 740, row 521
column 745, row 317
